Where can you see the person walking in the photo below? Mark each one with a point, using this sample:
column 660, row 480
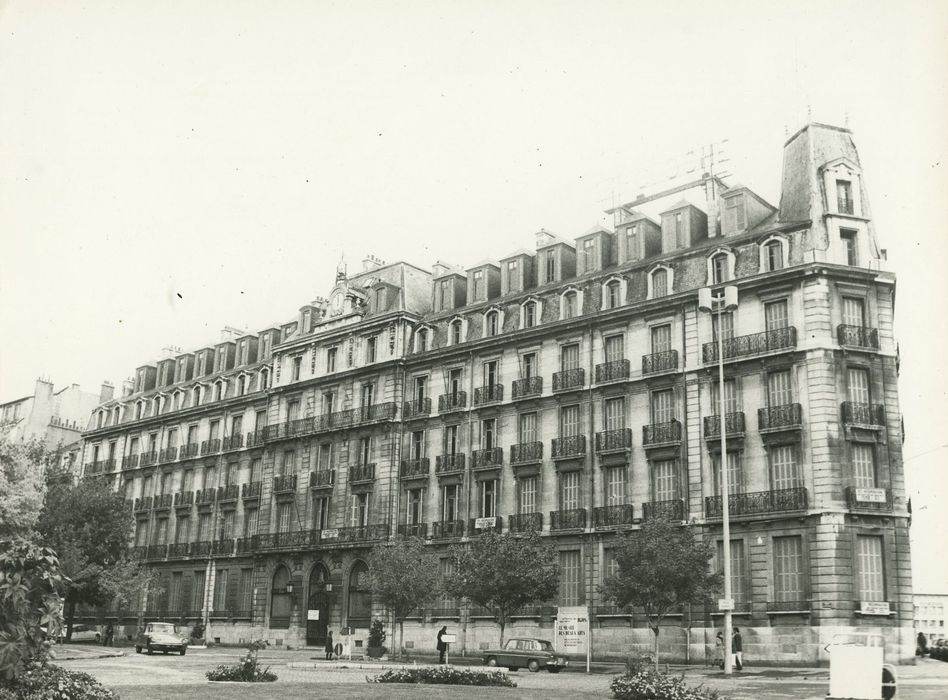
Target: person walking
column 442, row 645
column 109, row 634
column 921, row 645
column 737, row 648
column 719, row 650
column 330, row 647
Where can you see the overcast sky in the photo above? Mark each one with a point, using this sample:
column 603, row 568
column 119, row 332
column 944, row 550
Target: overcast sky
column 168, row 168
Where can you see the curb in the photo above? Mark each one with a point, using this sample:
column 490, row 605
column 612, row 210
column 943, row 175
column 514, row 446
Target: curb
column 73, row 656
column 359, row 665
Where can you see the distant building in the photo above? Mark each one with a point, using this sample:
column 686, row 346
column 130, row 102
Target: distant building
column 569, row 389
column 931, row 611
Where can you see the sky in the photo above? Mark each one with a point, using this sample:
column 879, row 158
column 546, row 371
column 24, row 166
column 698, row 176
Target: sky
column 169, row 168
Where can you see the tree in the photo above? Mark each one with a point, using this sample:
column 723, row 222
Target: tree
column 660, row 568
column 504, row 573
column 88, row 526
column 403, row 575
column 22, row 485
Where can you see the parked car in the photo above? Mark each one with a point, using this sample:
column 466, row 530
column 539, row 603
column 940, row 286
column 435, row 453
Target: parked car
column 938, row 650
column 526, row 652
column 161, row 636
column 83, row 633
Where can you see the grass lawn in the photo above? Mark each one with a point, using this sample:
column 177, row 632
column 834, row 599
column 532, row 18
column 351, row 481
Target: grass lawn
column 336, row 691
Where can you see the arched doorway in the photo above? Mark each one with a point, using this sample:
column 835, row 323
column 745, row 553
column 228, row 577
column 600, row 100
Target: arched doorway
column 318, row 601
column 359, row 608
column 281, row 602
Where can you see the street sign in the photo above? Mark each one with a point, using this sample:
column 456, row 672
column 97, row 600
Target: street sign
column 449, row 638
column 330, row 534
column 867, row 607
column 725, row 604
column 870, row 495
column 484, row 523
column 312, row 614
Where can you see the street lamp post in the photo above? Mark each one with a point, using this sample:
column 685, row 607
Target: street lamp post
column 724, row 301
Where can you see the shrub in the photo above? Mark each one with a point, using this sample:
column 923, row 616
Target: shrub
column 648, row 685
column 247, row 669
column 48, row 682
column 444, row 675
column 376, row 634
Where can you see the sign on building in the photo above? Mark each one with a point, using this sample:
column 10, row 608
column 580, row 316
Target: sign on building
column 572, row 629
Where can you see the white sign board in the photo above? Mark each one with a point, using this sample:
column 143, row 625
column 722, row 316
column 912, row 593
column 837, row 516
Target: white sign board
column 725, row 604
column 485, row 523
column 867, row 607
column 870, row 495
column 329, row 534
column 449, row 638
column 572, row 627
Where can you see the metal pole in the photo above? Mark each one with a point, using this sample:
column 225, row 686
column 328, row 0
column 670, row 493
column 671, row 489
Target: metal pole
column 725, row 505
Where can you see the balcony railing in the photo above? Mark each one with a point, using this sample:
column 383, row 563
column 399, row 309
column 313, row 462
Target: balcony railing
column 786, row 417
column 612, row 516
column 487, row 457
column 858, row 336
column 869, row 498
column 526, row 453
column 569, row 379
column 169, row 454
column 178, row 550
column 661, row 433
column 613, row 371
column 378, row 411
column 363, row 533
column 447, row 528
column 244, row 545
column 669, row 510
column 223, row 548
column 488, row 394
column 452, row 402
column 255, row 438
column 414, row 409
column 413, row 529
column 753, row 344
column 284, row 540
column 200, row 549
column 362, row 473
column 231, row 492
column 322, row 479
column 192, row 449
column 184, row 499
column 571, row 519
column 568, row 447
column 148, row 458
column 203, row 496
column 473, row 529
column 612, row 440
column 525, row 522
column 251, row 490
column 863, row 414
column 211, row 447
column 415, row 468
column 143, row 504
column 163, row 501
column 733, row 424
column 233, row 442
column 285, row 483
column 529, row 386
column 664, row 361
column 445, row 464
column 156, row 551
column 129, row 461
column 779, row 501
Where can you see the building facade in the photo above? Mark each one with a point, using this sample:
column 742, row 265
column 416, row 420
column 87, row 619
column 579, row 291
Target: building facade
column 931, row 611
column 569, row 389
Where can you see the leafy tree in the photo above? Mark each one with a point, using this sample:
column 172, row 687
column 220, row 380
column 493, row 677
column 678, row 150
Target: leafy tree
column 504, row 573
column 660, row 568
column 402, row 575
column 22, row 485
column 88, row 525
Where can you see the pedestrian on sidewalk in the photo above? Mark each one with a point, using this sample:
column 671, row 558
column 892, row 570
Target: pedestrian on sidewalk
column 329, row 647
column 737, row 648
column 719, row 650
column 109, row 634
column 442, row 645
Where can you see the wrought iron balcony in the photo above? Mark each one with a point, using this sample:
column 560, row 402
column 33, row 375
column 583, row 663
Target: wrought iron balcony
column 163, row 501
column 203, row 496
column 363, row 533
column 569, row 379
column 231, row 492
column 487, row 458
column 156, row 551
column 96, row 467
column 569, row 447
column 858, row 336
column 211, row 447
column 148, row 458
column 244, row 545
column 753, row 344
column 285, row 540
column 869, row 498
column 169, row 454
column 613, row 371
column 612, row 516
column 415, row 468
column 445, row 464
column 255, row 438
column 491, row 393
column 378, row 411
column 571, row 519
column 786, row 417
column 665, row 361
column 452, row 402
column 285, row 483
column 192, row 449
column 362, row 473
column 413, row 529
column 414, row 409
column 661, row 433
column 669, row 510
column 447, row 528
column 140, row 552
column 526, row 453
column 525, row 522
column 733, row 424
column 322, row 479
column 870, row 414
column 200, row 549
column 129, row 461
column 143, row 504
column 251, row 490
column 614, row 440
column 779, row 501
column 233, row 442
column 527, row 387
column 223, row 548
column 299, row 427
column 473, row 529
column 184, row 499
column 178, row 550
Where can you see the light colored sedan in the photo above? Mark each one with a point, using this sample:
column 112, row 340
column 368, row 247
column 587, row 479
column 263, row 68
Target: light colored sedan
column 161, row 636
column 83, row 633
column 527, row 652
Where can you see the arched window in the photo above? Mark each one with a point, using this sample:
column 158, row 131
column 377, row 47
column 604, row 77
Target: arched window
column 241, row 385
column 139, row 410
column 360, row 598
column 218, row 390
column 281, row 602
column 264, row 381
column 660, row 282
column 491, row 323
column 569, row 304
column 156, row 405
column 719, row 271
column 421, row 340
column 457, row 331
column 613, row 292
column 773, row 254
column 529, row 314
column 116, row 415
column 100, row 419
column 196, row 394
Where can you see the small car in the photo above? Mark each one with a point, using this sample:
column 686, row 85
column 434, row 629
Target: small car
column 82, row 633
column 527, row 652
column 161, row 636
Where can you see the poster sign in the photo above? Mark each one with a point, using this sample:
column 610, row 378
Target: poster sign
column 572, row 627
column 485, row 523
column 330, row 534
column 312, row 614
column 870, row 495
column 868, row 607
column 449, row 638
column 725, row 604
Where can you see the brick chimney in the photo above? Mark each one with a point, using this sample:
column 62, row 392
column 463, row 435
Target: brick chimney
column 106, row 392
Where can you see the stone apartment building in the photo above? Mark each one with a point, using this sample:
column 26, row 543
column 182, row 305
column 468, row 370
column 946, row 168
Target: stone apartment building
column 569, row 389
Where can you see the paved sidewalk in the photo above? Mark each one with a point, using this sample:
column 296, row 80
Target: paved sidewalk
column 72, row 652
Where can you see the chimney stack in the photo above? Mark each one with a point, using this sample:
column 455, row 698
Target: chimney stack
column 371, row 262
column 106, row 392
column 128, row 387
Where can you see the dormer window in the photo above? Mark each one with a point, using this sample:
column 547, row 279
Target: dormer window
column 848, row 238
column 421, row 340
column 844, row 197
column 156, row 405
column 218, row 390
column 241, row 385
column 178, row 399
column 589, row 255
column 612, row 294
column 139, row 410
column 571, row 303
column 456, row 331
column 492, row 323
column 735, row 215
column 631, row 242
column 529, row 311
column 773, row 254
column 116, row 415
column 477, row 285
column 679, row 231
column 264, row 379
column 549, row 266
column 660, row 282
column 720, row 267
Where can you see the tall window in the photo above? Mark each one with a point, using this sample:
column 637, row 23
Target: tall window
column 735, row 474
column 789, row 582
column 331, row 359
column 614, row 413
column 365, row 450
column 569, row 490
column 368, row 394
column 283, row 513
column 454, row 382
column 446, row 567
column 512, row 280
column 734, row 213
column 491, row 322
column 773, row 256
column 589, row 255
column 550, row 266
column 197, row 591
column 444, row 295
column 174, row 595
column 528, row 494
column 844, row 197
column 849, row 245
column 421, row 388
column 528, row 365
column 858, row 385
column 659, row 282
column 569, row 305
column 245, row 591
column 724, row 322
column 569, row 357
column 864, row 465
column 527, row 427
column 571, row 578
column 665, row 479
column 360, row 596
column 220, row 590
column 720, row 272
column 776, row 315
column 251, row 520
column 488, row 433
column 370, row 346
column 297, row 369
column 477, row 285
column 662, row 406
column 321, row 512
column 455, row 332
column 418, row 444
column 631, row 242
column 614, row 348
column 182, row 530
column 490, row 373
column 731, row 399
column 738, row 569
column 854, row 312
column 413, row 514
column 451, row 439
column 661, row 338
column 359, row 510
column 449, row 501
column 488, row 498
column 779, row 388
column 422, row 339
column 288, row 465
column 529, row 314
column 784, row 469
column 292, row 410
column 871, row 572
column 615, row 486
column 569, row 421
column 679, row 231
column 323, row 457
column 613, row 294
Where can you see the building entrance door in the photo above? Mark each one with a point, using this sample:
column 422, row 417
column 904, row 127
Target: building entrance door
column 317, row 606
